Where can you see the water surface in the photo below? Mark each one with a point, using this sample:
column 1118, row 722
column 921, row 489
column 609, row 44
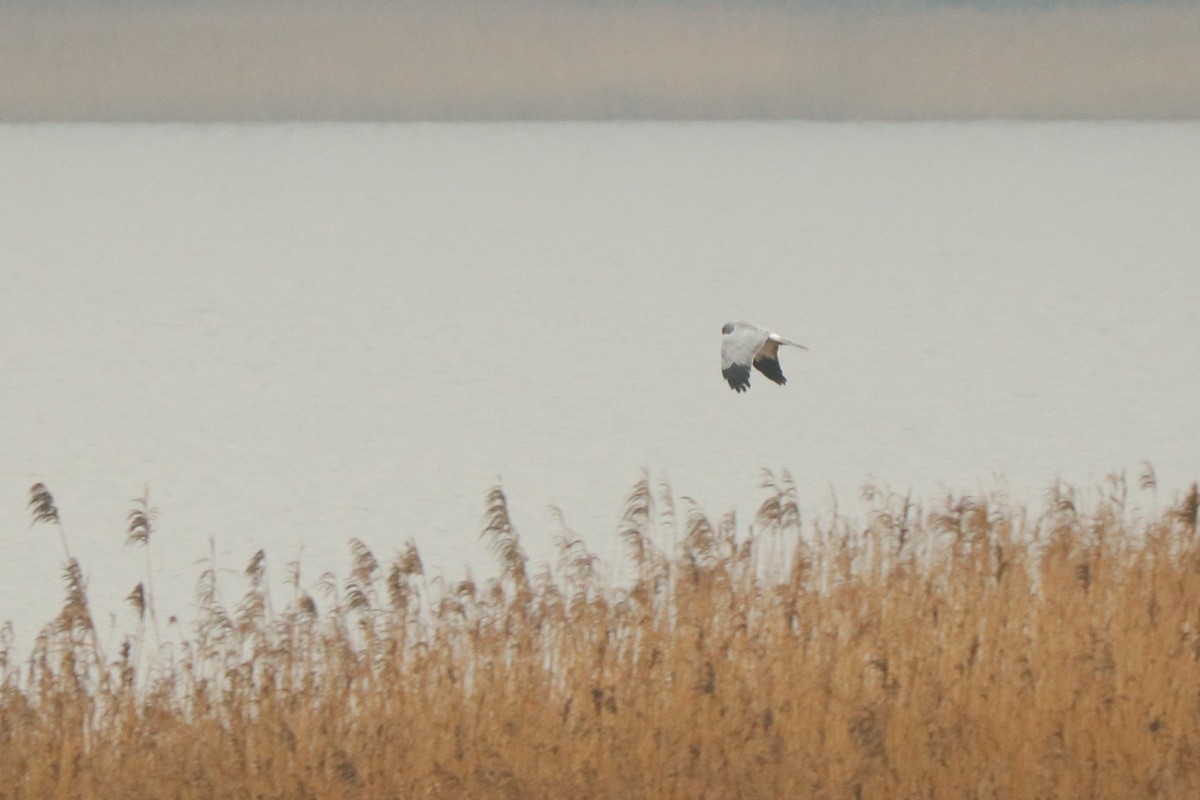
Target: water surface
column 298, row 334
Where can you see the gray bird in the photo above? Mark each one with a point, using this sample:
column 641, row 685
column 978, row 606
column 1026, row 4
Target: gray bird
column 743, row 344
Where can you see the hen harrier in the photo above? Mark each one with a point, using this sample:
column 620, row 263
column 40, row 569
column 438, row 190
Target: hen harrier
column 743, row 344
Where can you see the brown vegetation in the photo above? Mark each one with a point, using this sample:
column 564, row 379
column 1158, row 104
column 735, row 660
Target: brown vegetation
column 965, row 651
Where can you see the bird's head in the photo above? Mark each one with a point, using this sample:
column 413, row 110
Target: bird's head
column 727, row 328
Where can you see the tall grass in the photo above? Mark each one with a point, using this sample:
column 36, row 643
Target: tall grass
column 966, row 649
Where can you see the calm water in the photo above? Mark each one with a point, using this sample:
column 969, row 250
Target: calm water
column 300, row 334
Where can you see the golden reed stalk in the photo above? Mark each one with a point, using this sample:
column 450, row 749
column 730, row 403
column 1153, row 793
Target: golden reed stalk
column 970, row 650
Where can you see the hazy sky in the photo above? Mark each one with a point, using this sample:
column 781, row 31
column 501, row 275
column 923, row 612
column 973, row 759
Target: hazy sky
column 506, row 59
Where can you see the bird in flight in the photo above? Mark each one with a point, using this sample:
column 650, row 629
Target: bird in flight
column 743, row 344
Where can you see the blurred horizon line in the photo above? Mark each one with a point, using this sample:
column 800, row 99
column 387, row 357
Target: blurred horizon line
column 534, row 60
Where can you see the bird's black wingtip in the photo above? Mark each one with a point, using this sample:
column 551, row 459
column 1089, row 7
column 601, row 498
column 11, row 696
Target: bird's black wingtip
column 738, row 376
column 770, row 367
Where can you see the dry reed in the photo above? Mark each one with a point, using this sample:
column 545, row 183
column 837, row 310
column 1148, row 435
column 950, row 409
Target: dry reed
column 968, row 650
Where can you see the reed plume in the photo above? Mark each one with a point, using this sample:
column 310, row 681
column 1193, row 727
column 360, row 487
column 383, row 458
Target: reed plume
column 43, row 509
column 141, row 521
column 964, row 647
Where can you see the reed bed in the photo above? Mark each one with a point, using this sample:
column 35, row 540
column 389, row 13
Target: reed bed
column 964, row 648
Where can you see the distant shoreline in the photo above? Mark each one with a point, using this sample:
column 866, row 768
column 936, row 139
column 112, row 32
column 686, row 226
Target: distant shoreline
column 220, row 62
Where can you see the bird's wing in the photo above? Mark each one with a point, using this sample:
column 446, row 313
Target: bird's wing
column 738, row 349
column 768, row 363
